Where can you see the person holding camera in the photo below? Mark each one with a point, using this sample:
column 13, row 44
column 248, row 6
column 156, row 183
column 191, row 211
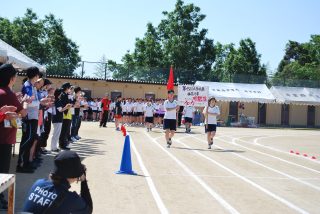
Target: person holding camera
column 53, row 196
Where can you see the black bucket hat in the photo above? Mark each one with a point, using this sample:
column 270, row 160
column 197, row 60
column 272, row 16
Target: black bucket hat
column 67, row 164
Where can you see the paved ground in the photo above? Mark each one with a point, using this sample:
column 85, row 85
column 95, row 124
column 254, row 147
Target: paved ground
column 248, row 171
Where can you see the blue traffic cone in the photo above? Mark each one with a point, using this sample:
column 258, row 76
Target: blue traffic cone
column 126, row 165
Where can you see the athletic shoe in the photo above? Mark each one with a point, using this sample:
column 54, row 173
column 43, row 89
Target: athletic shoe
column 117, row 129
column 73, row 139
column 65, row 148
column 78, row 137
column 209, row 146
column 55, row 150
column 168, row 144
column 147, row 129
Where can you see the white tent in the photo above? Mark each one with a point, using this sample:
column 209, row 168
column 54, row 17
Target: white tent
column 16, row 58
column 238, row 92
column 296, row 95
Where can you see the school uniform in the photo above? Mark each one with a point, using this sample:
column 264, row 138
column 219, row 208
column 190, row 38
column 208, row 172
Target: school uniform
column 212, row 119
column 149, row 109
column 170, row 117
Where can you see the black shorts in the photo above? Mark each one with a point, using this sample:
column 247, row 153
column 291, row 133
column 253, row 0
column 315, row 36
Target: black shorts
column 149, row 120
column 124, row 113
column 211, row 128
column 129, row 113
column 95, row 111
column 188, row 120
column 156, row 115
column 161, row 115
column 170, row 124
column 138, row 114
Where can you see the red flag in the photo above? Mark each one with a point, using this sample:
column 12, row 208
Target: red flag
column 170, row 84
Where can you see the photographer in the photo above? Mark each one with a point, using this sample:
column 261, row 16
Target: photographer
column 53, row 196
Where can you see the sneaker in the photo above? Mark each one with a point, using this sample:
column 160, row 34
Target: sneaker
column 209, row 146
column 147, row 129
column 168, row 144
column 78, row 137
column 117, row 129
column 73, row 139
column 65, row 148
column 55, row 150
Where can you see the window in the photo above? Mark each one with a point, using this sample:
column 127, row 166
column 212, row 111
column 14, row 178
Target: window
column 150, row 95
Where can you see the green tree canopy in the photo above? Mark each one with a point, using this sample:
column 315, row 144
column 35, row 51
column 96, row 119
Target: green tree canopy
column 301, row 60
column 43, row 40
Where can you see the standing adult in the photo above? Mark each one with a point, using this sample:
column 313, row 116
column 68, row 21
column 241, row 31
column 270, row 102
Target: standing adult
column 118, row 113
column 67, row 116
column 105, row 102
column 211, row 112
column 10, row 107
column 170, row 117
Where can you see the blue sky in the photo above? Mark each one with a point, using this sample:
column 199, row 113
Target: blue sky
column 110, row 27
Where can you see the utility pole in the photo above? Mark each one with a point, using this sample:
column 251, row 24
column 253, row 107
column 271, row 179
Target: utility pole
column 82, row 71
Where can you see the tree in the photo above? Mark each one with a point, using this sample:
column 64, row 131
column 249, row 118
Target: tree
column 301, row 61
column 43, row 40
column 176, row 41
column 101, row 69
column 238, row 65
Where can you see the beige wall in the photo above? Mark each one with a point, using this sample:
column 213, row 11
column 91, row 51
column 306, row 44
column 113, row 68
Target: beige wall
column 250, row 110
column 298, row 115
column 99, row 88
column 273, row 114
column 317, row 122
column 224, row 110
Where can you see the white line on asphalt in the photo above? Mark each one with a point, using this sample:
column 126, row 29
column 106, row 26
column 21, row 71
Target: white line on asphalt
column 255, row 142
column 151, row 185
column 266, row 154
column 225, row 204
column 284, row 201
column 267, row 167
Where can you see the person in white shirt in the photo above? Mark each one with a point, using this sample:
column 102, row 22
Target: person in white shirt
column 129, row 106
column 211, row 112
column 188, row 112
column 148, row 114
column 139, row 111
column 170, row 117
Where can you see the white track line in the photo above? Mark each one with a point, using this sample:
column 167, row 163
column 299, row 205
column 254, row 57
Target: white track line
column 272, row 156
column 215, row 195
column 151, row 185
column 267, row 167
column 284, row 201
column 255, row 142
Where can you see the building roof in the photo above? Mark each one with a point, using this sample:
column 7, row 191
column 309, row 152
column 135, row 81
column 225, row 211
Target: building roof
column 296, row 95
column 16, row 58
column 101, row 80
column 239, row 92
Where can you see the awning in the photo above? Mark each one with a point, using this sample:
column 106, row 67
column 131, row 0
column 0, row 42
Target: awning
column 239, row 92
column 296, row 95
column 16, row 58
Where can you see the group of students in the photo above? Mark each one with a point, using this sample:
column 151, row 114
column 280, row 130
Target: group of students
column 161, row 112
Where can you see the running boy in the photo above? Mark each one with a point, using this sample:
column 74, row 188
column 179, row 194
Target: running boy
column 170, row 117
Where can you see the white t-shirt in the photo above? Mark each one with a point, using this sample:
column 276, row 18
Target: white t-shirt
column 139, row 107
column 188, row 111
column 149, row 110
column 99, row 105
column 112, row 106
column 172, row 114
column 212, row 119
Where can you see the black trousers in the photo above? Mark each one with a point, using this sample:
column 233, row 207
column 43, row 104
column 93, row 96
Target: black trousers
column 65, row 133
column 29, row 135
column 78, row 126
column 104, row 118
column 47, row 128
column 5, row 157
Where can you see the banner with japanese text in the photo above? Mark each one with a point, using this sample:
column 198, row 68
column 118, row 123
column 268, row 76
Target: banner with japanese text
column 193, row 95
